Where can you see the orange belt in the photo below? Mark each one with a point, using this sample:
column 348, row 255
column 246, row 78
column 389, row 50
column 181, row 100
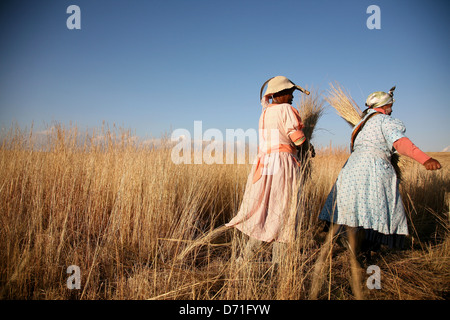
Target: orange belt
column 259, row 165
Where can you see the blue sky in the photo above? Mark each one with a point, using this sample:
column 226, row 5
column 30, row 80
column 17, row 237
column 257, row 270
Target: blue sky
column 155, row 66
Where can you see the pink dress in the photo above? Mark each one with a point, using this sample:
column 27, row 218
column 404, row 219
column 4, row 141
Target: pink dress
column 267, row 211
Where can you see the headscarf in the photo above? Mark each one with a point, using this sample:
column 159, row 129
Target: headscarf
column 380, row 98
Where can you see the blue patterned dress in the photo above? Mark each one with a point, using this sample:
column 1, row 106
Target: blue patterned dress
column 366, row 192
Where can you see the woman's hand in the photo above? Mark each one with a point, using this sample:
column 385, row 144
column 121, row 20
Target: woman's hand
column 432, row 164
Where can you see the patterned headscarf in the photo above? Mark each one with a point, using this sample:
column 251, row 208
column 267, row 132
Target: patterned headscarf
column 380, row 98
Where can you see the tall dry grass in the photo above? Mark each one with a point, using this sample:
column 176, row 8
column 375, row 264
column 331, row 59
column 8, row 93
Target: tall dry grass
column 141, row 227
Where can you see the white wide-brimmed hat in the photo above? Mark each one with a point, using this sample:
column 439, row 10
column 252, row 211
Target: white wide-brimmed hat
column 277, row 84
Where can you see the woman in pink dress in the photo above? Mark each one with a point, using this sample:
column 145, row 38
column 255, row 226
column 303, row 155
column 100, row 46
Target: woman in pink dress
column 266, row 213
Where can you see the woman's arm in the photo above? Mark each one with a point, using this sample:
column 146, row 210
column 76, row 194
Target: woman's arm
column 405, row 147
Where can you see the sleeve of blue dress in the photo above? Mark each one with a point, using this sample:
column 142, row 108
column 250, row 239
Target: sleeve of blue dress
column 393, row 129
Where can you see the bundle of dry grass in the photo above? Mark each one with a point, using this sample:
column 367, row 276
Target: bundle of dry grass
column 344, row 104
column 311, row 108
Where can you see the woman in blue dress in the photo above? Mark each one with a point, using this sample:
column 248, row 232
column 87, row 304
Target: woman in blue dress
column 366, row 194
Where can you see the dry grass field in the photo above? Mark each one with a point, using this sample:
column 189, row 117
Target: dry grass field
column 141, row 227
